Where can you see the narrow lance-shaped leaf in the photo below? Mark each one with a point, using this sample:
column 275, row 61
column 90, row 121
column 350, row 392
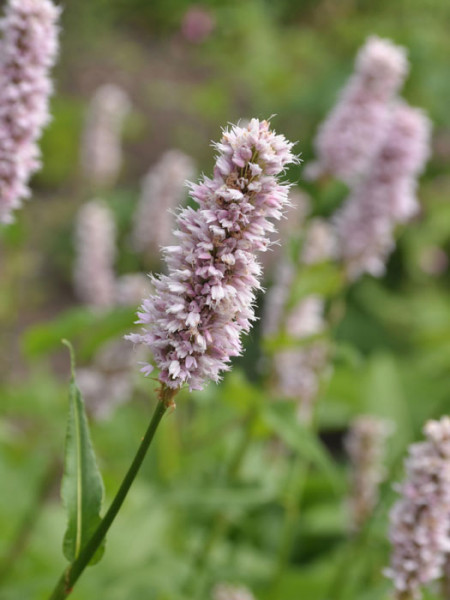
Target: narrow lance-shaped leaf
column 82, row 485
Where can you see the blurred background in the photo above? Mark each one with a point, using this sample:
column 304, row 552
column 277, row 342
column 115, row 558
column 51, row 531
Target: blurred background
column 211, row 502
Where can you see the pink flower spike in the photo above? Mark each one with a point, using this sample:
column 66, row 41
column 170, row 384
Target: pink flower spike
column 353, row 133
column 194, row 331
column 420, row 519
column 386, row 196
column 94, row 277
column 27, row 53
column 163, row 189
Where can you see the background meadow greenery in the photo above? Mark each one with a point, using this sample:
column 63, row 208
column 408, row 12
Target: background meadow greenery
column 392, row 347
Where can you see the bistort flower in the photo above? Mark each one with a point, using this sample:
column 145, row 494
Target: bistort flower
column 353, row 133
column 27, row 53
column 95, row 249
column 194, row 321
column 366, row 447
column 420, row 519
column 101, row 148
column 386, row 196
column 163, row 189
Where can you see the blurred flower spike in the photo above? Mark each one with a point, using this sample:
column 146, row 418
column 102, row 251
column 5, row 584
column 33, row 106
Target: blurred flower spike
column 420, row 519
column 198, row 24
column 27, row 53
column 353, row 133
column 101, row 151
column 95, row 240
column 163, row 189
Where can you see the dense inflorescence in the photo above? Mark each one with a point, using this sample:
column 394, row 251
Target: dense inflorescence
column 163, row 189
column 27, row 53
column 193, row 322
column 386, row 196
column 353, row 133
column 94, row 276
column 420, row 520
column 366, row 446
column 101, row 149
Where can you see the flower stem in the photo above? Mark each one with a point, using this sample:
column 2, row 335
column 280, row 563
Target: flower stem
column 68, row 579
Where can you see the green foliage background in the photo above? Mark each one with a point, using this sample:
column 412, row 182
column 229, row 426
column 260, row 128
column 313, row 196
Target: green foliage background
column 285, row 58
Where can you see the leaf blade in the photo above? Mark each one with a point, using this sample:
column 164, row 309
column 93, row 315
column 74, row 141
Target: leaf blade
column 82, row 485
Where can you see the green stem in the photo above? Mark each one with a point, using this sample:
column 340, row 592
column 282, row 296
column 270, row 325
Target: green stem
column 68, row 579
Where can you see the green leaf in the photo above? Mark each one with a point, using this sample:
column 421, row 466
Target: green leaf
column 80, row 323
column 282, row 419
column 82, row 485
